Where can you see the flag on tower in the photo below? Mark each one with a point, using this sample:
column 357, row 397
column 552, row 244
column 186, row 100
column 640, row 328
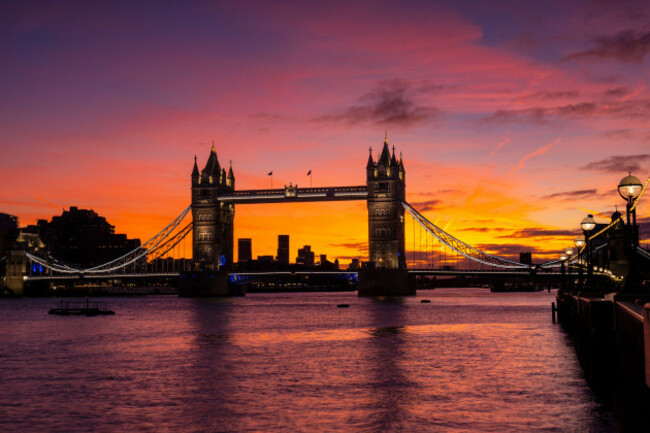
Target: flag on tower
column 309, row 173
column 270, row 173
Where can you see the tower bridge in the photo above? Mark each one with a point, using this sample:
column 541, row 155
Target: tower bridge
column 213, row 211
column 391, row 268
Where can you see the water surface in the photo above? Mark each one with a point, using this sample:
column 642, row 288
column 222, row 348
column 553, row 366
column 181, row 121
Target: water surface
column 468, row 361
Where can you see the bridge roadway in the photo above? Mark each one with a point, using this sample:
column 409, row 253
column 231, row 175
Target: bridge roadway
column 292, row 193
column 441, row 272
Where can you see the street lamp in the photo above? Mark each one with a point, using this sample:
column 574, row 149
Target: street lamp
column 563, row 259
column 579, row 242
column 569, row 252
column 629, row 188
column 588, row 224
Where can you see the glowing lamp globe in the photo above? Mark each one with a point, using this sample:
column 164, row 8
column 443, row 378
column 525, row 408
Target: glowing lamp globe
column 588, row 223
column 568, row 251
column 579, row 241
column 630, row 187
column 563, row 257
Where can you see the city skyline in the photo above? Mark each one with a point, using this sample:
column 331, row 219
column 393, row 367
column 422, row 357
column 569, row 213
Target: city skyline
column 510, row 133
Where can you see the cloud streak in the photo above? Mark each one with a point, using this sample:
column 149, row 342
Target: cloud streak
column 618, row 163
column 572, row 195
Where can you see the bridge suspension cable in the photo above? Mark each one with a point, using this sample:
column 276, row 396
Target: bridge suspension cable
column 461, row 247
column 154, row 248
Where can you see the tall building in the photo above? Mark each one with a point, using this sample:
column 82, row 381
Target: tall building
column 305, row 256
column 8, row 231
column 81, row 237
column 213, row 236
column 283, row 249
column 386, row 192
column 244, row 250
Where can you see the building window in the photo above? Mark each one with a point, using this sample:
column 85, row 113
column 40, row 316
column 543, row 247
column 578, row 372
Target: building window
column 205, row 236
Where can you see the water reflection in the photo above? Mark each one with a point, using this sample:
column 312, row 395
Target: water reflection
column 211, row 372
column 390, row 388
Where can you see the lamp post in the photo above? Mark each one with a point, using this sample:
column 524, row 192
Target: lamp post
column 569, row 252
column 588, row 224
column 579, row 242
column 629, row 188
column 563, row 259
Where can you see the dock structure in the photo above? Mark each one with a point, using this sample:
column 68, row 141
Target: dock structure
column 76, row 308
column 612, row 340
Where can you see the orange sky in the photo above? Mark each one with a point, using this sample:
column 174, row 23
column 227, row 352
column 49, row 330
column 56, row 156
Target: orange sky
column 514, row 121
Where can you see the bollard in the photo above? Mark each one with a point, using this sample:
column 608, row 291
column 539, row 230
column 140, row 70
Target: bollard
column 553, row 310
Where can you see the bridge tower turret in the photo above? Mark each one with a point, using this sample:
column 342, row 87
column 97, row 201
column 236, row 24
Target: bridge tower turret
column 386, row 192
column 213, row 233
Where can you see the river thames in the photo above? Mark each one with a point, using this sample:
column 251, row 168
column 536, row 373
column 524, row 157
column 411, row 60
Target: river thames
column 469, row 360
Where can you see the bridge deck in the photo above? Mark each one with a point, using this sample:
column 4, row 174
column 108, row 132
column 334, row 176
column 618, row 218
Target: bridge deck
column 290, row 194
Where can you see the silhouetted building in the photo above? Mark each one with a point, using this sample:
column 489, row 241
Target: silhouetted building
column 283, row 249
column 81, row 237
column 386, row 192
column 305, row 256
column 326, row 265
column 244, row 250
column 265, row 259
column 213, row 235
column 526, row 258
column 8, row 231
column 354, row 265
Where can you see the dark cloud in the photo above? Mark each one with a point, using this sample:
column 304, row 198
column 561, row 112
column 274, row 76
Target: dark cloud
column 627, row 46
column 362, row 247
column 545, row 95
column 484, row 229
column 638, row 108
column 392, row 102
column 581, row 109
column 618, row 163
column 538, row 232
column 620, row 133
column 616, row 92
column 511, row 251
column 427, row 205
column 268, row 117
column 528, row 115
column 572, row 195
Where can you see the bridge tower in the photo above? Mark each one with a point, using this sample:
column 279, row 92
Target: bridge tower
column 213, row 234
column 386, row 273
column 386, row 192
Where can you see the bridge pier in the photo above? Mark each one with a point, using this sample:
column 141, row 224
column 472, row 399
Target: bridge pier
column 207, row 283
column 386, row 282
column 14, row 281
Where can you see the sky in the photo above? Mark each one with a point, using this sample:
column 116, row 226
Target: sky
column 515, row 119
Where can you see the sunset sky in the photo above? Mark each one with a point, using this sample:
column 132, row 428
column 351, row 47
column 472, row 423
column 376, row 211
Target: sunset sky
column 515, row 120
